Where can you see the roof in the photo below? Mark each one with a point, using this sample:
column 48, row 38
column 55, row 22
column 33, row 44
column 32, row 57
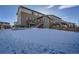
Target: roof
column 54, row 16
column 44, row 16
column 28, row 9
column 50, row 17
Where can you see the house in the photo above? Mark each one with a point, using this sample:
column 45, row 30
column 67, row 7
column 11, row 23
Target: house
column 4, row 25
column 26, row 17
column 30, row 18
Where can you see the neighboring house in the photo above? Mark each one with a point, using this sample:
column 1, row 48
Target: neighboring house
column 61, row 23
column 4, row 25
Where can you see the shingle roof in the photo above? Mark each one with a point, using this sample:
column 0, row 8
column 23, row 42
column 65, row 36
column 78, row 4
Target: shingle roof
column 29, row 9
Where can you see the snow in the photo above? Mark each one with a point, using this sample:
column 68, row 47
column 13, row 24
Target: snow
column 35, row 40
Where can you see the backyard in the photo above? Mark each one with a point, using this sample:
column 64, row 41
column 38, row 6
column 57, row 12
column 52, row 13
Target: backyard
column 38, row 41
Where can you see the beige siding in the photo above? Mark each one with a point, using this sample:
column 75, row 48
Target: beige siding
column 26, row 11
column 25, row 17
column 46, row 22
column 19, row 18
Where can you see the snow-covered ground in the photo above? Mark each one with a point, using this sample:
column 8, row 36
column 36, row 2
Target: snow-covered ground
column 34, row 40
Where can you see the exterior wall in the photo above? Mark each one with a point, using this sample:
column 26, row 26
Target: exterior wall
column 25, row 18
column 71, row 25
column 19, row 19
column 46, row 22
column 37, row 14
